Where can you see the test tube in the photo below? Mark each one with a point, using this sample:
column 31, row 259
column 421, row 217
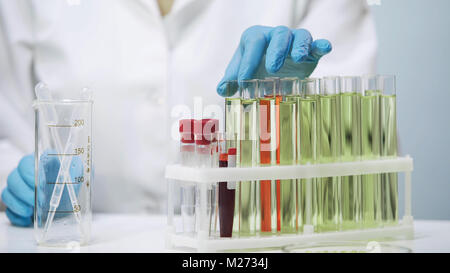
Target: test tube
column 187, row 142
column 288, row 140
column 187, row 151
column 231, row 194
column 204, row 131
column 278, row 97
column 217, row 139
column 370, row 150
column 308, row 213
column 268, row 148
column 233, row 117
column 232, row 134
column 204, row 134
column 277, row 86
column 215, row 149
column 226, row 192
column 329, row 151
column 249, row 157
column 389, row 181
column 350, row 126
column 226, row 202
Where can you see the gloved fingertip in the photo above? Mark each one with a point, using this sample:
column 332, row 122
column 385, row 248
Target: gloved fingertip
column 225, row 89
column 221, row 87
column 322, row 47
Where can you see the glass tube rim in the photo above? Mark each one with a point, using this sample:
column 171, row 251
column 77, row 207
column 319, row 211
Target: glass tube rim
column 261, row 83
column 331, row 77
column 367, row 80
column 62, row 102
column 244, row 91
column 324, row 91
column 295, row 86
column 381, row 79
column 289, row 79
column 315, row 81
column 378, row 80
column 352, row 78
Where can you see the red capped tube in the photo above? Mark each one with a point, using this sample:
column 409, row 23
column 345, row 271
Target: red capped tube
column 186, row 129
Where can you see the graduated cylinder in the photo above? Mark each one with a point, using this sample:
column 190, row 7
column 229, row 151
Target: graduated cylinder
column 63, row 168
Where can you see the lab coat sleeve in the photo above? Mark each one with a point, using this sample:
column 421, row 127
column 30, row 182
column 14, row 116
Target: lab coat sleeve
column 16, row 84
column 349, row 26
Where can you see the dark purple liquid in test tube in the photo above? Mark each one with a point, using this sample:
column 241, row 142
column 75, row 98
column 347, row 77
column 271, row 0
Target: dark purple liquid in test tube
column 226, row 202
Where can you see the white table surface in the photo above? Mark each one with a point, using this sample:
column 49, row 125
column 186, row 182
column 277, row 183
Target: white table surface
column 145, row 233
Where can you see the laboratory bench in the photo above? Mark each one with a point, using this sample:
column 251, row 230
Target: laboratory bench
column 146, row 233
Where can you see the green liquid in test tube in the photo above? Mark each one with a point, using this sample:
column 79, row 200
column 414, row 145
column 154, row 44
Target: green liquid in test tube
column 329, row 188
column 300, row 183
column 350, row 150
column 389, row 181
column 288, row 140
column 232, row 121
column 249, row 153
column 288, row 204
column 371, row 150
column 306, row 101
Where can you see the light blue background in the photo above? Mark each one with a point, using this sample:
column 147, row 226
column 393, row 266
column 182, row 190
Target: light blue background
column 414, row 44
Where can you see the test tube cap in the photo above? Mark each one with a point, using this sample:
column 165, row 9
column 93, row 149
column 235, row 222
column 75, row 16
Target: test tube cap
column 232, row 151
column 204, row 130
column 186, row 125
column 186, row 130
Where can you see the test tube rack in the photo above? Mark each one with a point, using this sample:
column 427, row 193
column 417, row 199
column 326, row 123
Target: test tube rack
column 202, row 242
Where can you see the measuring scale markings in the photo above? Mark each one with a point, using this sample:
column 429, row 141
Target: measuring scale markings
column 77, row 123
column 78, row 179
column 88, row 155
column 77, row 151
column 76, row 209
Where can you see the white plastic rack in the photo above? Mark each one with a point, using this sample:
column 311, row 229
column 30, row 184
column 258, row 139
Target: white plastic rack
column 202, row 242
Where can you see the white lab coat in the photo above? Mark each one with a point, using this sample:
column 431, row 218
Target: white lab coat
column 139, row 66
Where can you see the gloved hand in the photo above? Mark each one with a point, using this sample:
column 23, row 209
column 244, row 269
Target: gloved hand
column 18, row 195
column 273, row 52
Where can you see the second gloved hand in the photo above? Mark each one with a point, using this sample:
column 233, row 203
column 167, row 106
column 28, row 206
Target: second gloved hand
column 18, row 195
column 273, row 51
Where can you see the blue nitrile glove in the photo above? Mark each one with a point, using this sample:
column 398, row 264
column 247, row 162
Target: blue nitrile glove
column 273, row 52
column 18, row 195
